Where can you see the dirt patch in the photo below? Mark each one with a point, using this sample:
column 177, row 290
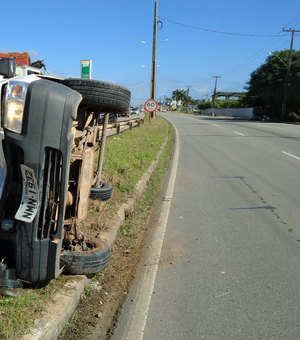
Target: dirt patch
column 94, row 318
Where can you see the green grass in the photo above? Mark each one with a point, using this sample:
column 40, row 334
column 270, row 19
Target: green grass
column 127, row 157
column 18, row 313
column 132, row 225
column 12, row 314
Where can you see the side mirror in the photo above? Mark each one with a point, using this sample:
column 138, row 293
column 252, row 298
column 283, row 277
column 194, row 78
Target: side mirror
column 7, row 67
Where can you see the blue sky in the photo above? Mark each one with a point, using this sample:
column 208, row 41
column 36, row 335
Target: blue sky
column 199, row 39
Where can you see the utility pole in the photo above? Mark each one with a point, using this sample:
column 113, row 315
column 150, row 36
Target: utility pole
column 287, row 77
column 188, row 89
column 188, row 96
column 215, row 89
column 153, row 72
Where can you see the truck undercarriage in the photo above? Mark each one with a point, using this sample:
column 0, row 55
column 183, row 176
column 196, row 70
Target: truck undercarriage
column 47, row 173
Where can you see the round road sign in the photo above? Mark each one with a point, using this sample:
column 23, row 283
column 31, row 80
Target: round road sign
column 150, row 105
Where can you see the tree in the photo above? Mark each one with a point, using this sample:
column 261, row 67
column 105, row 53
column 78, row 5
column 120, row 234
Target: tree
column 267, row 82
column 39, row 64
column 182, row 96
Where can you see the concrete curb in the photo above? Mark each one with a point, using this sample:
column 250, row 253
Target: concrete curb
column 62, row 306
column 58, row 311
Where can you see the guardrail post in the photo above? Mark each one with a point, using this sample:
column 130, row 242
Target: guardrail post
column 118, row 128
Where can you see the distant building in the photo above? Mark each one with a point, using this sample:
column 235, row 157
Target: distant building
column 175, row 104
column 22, row 59
column 228, row 95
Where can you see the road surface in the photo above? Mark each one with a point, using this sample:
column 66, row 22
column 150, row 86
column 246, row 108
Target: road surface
column 229, row 263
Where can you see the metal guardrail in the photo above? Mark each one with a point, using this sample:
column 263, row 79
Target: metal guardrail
column 120, row 126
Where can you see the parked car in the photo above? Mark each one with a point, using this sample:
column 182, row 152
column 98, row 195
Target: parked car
column 111, row 119
column 47, row 176
column 135, row 110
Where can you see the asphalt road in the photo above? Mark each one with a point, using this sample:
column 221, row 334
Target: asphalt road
column 229, row 263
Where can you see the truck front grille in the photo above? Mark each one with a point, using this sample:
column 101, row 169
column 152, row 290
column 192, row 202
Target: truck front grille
column 51, row 194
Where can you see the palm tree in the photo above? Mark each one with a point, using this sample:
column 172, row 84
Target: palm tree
column 183, row 97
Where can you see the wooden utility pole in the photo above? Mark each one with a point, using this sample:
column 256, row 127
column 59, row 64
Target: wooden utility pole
column 188, row 89
column 188, row 97
column 215, row 89
column 153, row 72
column 287, row 77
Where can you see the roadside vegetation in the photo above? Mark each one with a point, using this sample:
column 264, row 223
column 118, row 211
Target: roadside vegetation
column 273, row 84
column 127, row 158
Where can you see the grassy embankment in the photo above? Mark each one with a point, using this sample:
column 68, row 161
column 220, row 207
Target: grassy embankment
column 127, row 157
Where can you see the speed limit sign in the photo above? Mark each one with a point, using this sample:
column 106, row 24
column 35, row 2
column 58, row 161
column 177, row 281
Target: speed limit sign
column 150, row 105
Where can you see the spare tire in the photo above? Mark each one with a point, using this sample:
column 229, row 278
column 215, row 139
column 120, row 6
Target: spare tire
column 103, row 193
column 86, row 262
column 101, row 95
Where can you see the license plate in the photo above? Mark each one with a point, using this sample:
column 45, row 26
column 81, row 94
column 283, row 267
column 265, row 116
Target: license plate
column 30, row 202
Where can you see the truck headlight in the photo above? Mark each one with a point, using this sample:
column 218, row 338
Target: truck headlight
column 14, row 105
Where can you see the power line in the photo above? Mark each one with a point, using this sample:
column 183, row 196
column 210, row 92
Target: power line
column 224, row 32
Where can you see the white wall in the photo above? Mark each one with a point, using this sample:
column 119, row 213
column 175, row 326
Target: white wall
column 245, row 112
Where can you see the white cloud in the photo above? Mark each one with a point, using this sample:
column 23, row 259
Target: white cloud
column 33, row 53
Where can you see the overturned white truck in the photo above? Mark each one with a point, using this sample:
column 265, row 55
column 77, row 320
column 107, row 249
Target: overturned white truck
column 47, row 174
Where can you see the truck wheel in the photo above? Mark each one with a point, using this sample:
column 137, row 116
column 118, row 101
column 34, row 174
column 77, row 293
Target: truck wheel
column 103, row 193
column 86, row 262
column 103, row 96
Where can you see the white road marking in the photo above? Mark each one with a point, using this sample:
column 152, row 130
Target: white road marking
column 136, row 325
column 238, row 133
column 216, row 125
column 289, row 154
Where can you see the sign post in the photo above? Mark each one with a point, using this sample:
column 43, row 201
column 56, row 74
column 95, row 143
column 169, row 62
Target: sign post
column 86, row 69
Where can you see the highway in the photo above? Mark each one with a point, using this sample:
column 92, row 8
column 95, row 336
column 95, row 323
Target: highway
column 228, row 266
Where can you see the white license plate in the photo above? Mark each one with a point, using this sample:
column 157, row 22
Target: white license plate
column 30, row 201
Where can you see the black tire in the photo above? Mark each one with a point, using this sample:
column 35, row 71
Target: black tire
column 100, row 95
column 103, row 193
column 86, row 262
